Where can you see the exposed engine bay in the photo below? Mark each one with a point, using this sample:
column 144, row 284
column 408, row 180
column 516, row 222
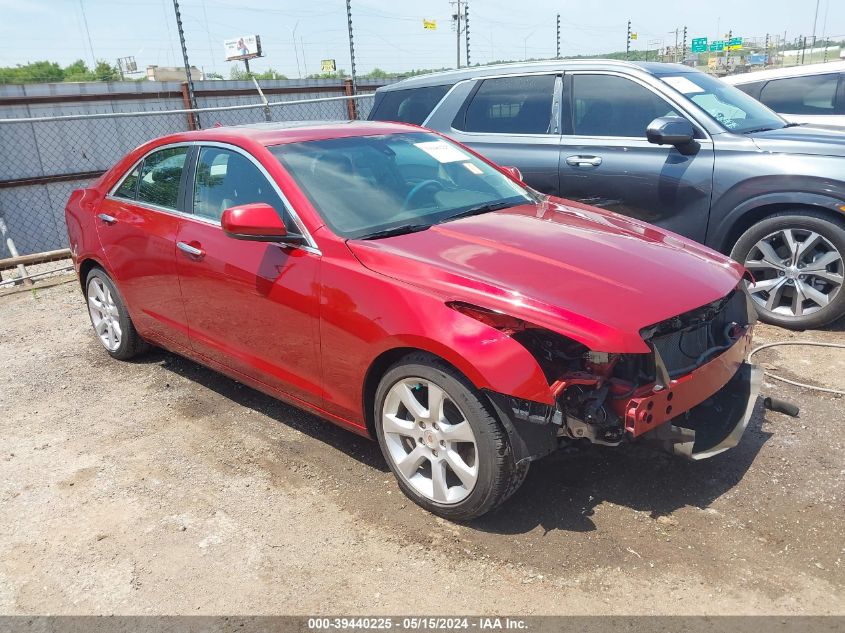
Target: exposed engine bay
column 695, row 377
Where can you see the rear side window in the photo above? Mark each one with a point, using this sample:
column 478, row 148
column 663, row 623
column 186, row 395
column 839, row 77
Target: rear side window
column 607, row 105
column 160, row 176
column 802, row 95
column 129, row 187
column 511, row 105
column 409, row 106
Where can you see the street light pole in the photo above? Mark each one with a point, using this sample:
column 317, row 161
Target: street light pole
column 351, row 47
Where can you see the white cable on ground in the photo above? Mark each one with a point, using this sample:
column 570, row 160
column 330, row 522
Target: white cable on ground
column 793, row 382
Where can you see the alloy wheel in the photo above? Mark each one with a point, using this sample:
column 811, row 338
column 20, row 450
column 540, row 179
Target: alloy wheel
column 430, row 441
column 104, row 314
column 797, row 272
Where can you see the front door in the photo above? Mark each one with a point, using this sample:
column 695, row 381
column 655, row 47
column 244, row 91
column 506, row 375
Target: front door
column 252, row 307
column 607, row 161
column 137, row 226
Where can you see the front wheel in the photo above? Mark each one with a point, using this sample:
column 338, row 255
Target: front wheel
column 447, row 451
column 796, row 259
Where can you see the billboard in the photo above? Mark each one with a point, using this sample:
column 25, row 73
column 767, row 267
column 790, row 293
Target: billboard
column 328, row 66
column 244, row 47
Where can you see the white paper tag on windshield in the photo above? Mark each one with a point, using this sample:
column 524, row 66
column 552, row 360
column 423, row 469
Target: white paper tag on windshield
column 442, row 152
column 683, row 85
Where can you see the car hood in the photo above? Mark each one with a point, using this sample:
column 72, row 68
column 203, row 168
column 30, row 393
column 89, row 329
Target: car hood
column 802, row 139
column 594, row 276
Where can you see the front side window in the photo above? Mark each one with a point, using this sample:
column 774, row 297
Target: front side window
column 728, row 106
column 607, row 105
column 129, row 187
column 511, row 105
column 366, row 185
column 814, row 94
column 409, row 106
column 160, row 176
column 226, row 179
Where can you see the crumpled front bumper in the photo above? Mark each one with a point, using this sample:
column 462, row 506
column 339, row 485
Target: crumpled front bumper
column 716, row 424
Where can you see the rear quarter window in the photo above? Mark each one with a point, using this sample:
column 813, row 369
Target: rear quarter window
column 408, row 106
column 813, row 94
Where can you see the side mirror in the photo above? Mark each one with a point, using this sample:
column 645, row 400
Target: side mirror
column 670, row 130
column 257, row 222
column 513, row 171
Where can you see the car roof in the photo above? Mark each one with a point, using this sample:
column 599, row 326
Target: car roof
column 279, row 133
column 790, row 71
column 555, row 65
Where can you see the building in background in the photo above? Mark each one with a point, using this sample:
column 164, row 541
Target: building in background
column 172, row 73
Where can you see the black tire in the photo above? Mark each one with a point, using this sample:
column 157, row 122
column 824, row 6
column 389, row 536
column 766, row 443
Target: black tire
column 130, row 344
column 800, row 222
column 498, row 476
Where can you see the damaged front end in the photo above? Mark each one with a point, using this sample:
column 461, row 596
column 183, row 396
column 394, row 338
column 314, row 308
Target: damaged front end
column 693, row 394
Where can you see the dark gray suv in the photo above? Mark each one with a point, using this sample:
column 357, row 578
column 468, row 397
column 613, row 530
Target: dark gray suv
column 666, row 144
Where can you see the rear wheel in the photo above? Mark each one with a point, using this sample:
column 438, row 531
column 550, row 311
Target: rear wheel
column 447, row 451
column 110, row 318
column 798, row 262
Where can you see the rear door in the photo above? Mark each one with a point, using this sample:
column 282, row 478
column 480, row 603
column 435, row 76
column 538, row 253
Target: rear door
column 137, row 226
column 513, row 121
column 252, row 307
column 607, row 161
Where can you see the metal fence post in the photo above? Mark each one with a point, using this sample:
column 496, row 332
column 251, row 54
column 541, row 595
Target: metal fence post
column 13, row 250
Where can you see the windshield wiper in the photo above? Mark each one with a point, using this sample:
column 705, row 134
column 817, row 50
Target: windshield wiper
column 759, row 129
column 396, row 230
column 481, row 208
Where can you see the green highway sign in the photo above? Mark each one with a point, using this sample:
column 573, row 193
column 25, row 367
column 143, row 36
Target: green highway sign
column 735, row 43
column 699, row 45
column 717, row 45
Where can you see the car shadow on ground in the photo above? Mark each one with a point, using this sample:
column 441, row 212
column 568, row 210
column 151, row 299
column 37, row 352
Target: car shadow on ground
column 363, row 450
column 561, row 491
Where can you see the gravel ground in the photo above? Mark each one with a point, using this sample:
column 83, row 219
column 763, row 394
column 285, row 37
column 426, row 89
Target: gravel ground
column 159, row 486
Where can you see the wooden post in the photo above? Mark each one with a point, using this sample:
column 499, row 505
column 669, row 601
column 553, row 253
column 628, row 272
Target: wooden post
column 186, row 101
column 351, row 109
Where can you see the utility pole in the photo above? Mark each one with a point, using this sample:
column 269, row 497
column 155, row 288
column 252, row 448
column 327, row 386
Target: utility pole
column 351, row 46
column 557, row 56
column 456, row 22
column 803, row 48
column 767, row 50
column 684, row 51
column 466, row 27
column 628, row 42
column 675, row 52
column 728, row 49
column 191, row 96
column 815, row 19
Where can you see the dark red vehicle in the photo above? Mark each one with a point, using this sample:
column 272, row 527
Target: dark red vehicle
column 401, row 286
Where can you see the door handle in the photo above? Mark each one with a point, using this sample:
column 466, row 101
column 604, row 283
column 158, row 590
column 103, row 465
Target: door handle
column 108, row 219
column 583, row 161
column 193, row 251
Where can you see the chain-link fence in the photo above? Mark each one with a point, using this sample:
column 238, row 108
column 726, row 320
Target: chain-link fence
column 42, row 160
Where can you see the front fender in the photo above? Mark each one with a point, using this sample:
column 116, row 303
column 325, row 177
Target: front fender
column 722, row 231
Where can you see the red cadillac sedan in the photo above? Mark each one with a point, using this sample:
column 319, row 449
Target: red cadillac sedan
column 400, row 285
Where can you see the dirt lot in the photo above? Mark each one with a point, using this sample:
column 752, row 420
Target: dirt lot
column 161, row 487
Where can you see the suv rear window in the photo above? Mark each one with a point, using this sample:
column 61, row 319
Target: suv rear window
column 408, row 106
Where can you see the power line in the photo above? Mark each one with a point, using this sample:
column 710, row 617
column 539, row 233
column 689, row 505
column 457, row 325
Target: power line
column 88, row 33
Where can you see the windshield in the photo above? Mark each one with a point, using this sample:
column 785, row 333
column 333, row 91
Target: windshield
column 363, row 185
column 728, row 106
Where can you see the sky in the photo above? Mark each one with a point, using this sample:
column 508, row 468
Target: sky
column 388, row 34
